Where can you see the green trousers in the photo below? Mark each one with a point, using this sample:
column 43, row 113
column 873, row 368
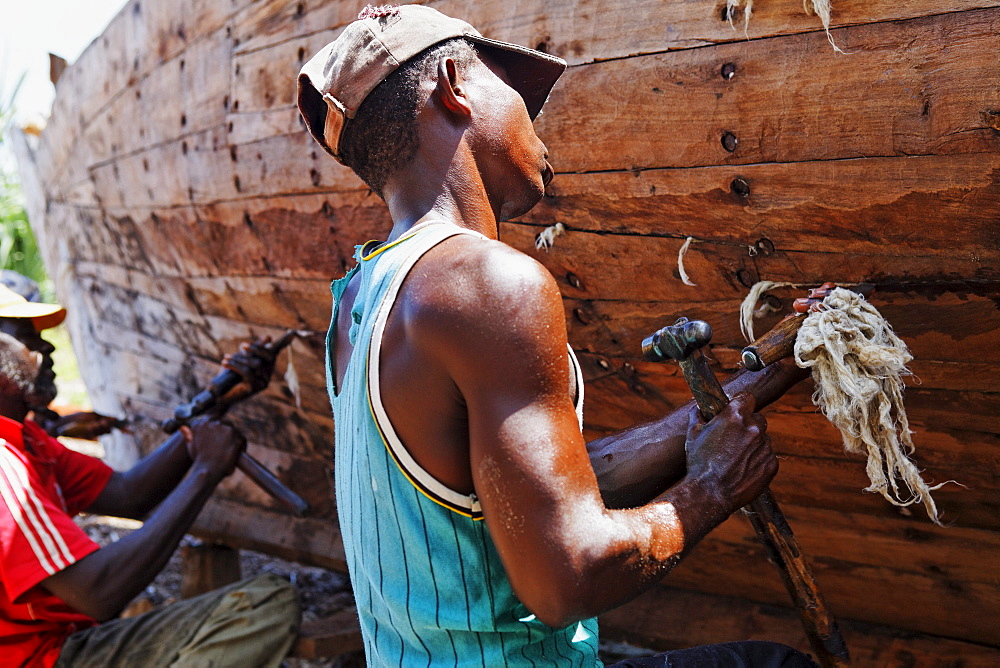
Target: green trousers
column 249, row 623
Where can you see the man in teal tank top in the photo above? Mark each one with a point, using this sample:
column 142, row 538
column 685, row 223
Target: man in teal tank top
column 480, row 529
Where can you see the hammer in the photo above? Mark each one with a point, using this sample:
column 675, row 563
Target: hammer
column 683, row 341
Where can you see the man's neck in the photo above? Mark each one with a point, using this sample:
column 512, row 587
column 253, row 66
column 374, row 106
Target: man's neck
column 13, row 410
column 428, row 189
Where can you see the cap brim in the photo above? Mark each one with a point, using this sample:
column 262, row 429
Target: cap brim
column 532, row 73
column 43, row 316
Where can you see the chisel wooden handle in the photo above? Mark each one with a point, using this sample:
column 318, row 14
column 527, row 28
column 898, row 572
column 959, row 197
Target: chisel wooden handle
column 777, row 344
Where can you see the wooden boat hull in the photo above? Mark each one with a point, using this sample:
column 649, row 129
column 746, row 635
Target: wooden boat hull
column 182, row 208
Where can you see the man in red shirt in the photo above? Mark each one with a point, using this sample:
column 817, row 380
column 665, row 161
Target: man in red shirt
column 60, row 591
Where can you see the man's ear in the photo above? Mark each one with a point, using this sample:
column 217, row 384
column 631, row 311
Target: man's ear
column 451, row 88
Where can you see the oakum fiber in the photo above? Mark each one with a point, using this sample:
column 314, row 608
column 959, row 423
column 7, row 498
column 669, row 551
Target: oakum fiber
column 857, row 365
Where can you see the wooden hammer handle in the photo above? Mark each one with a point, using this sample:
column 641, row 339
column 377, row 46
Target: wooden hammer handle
column 774, row 532
column 782, row 548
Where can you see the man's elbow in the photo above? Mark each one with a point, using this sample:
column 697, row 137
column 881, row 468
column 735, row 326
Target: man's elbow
column 77, row 586
column 102, row 613
column 89, row 605
column 559, row 619
column 557, row 605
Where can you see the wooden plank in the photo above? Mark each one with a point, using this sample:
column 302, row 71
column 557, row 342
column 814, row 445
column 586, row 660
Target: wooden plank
column 202, row 168
column 616, row 267
column 184, row 171
column 240, row 239
column 585, row 30
column 290, row 164
column 870, row 205
column 140, row 37
column 206, row 567
column 315, row 542
column 643, row 270
column 267, row 301
column 265, row 24
column 616, row 328
column 669, row 618
column 957, row 190
column 879, row 586
column 329, row 637
column 192, row 80
column 919, row 99
column 265, row 79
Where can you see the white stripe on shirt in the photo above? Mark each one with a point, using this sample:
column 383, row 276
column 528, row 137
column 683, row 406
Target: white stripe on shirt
column 32, row 518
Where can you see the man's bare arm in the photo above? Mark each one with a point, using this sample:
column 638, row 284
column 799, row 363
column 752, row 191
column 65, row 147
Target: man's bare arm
column 103, row 582
column 134, row 493
column 636, row 465
column 567, row 556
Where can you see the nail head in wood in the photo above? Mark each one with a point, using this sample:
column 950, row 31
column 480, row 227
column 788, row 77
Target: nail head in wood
column 765, row 246
column 740, row 186
column 729, row 141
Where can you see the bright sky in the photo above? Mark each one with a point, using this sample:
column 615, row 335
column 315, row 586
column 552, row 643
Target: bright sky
column 30, row 30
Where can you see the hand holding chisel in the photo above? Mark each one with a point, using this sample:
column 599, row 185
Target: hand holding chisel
column 244, row 374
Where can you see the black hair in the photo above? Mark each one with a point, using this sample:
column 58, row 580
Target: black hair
column 382, row 137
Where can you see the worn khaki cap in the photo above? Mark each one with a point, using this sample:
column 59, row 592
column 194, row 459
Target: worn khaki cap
column 334, row 83
column 13, row 305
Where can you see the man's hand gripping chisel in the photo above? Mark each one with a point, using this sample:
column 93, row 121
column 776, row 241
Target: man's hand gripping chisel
column 254, row 373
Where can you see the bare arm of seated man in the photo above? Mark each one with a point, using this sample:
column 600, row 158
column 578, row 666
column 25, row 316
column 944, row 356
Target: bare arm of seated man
column 134, row 493
column 568, row 557
column 635, row 465
column 102, row 583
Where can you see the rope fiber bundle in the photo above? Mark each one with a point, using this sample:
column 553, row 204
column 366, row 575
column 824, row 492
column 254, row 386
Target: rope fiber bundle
column 857, row 365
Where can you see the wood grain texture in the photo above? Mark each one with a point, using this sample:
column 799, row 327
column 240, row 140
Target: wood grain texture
column 181, row 209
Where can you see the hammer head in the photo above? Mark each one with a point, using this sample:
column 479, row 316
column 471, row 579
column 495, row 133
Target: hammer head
column 677, row 341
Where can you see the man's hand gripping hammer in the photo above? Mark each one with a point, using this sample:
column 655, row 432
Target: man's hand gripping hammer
column 683, row 342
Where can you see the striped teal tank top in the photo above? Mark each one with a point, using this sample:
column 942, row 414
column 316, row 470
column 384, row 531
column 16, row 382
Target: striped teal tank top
column 429, row 584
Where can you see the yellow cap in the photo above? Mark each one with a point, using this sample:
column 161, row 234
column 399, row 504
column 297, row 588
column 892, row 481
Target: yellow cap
column 13, row 305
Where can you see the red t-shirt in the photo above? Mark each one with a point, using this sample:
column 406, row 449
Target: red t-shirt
column 41, row 489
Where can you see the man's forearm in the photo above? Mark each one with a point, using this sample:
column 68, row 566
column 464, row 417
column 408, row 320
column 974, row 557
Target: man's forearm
column 636, row 465
column 134, row 493
column 103, row 582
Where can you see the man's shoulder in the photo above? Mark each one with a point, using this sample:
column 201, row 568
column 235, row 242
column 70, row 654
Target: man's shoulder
column 476, row 302
column 476, row 268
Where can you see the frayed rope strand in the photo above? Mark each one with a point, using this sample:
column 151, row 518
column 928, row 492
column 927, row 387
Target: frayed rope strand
column 685, row 279
column 547, row 237
column 820, row 8
column 748, row 310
